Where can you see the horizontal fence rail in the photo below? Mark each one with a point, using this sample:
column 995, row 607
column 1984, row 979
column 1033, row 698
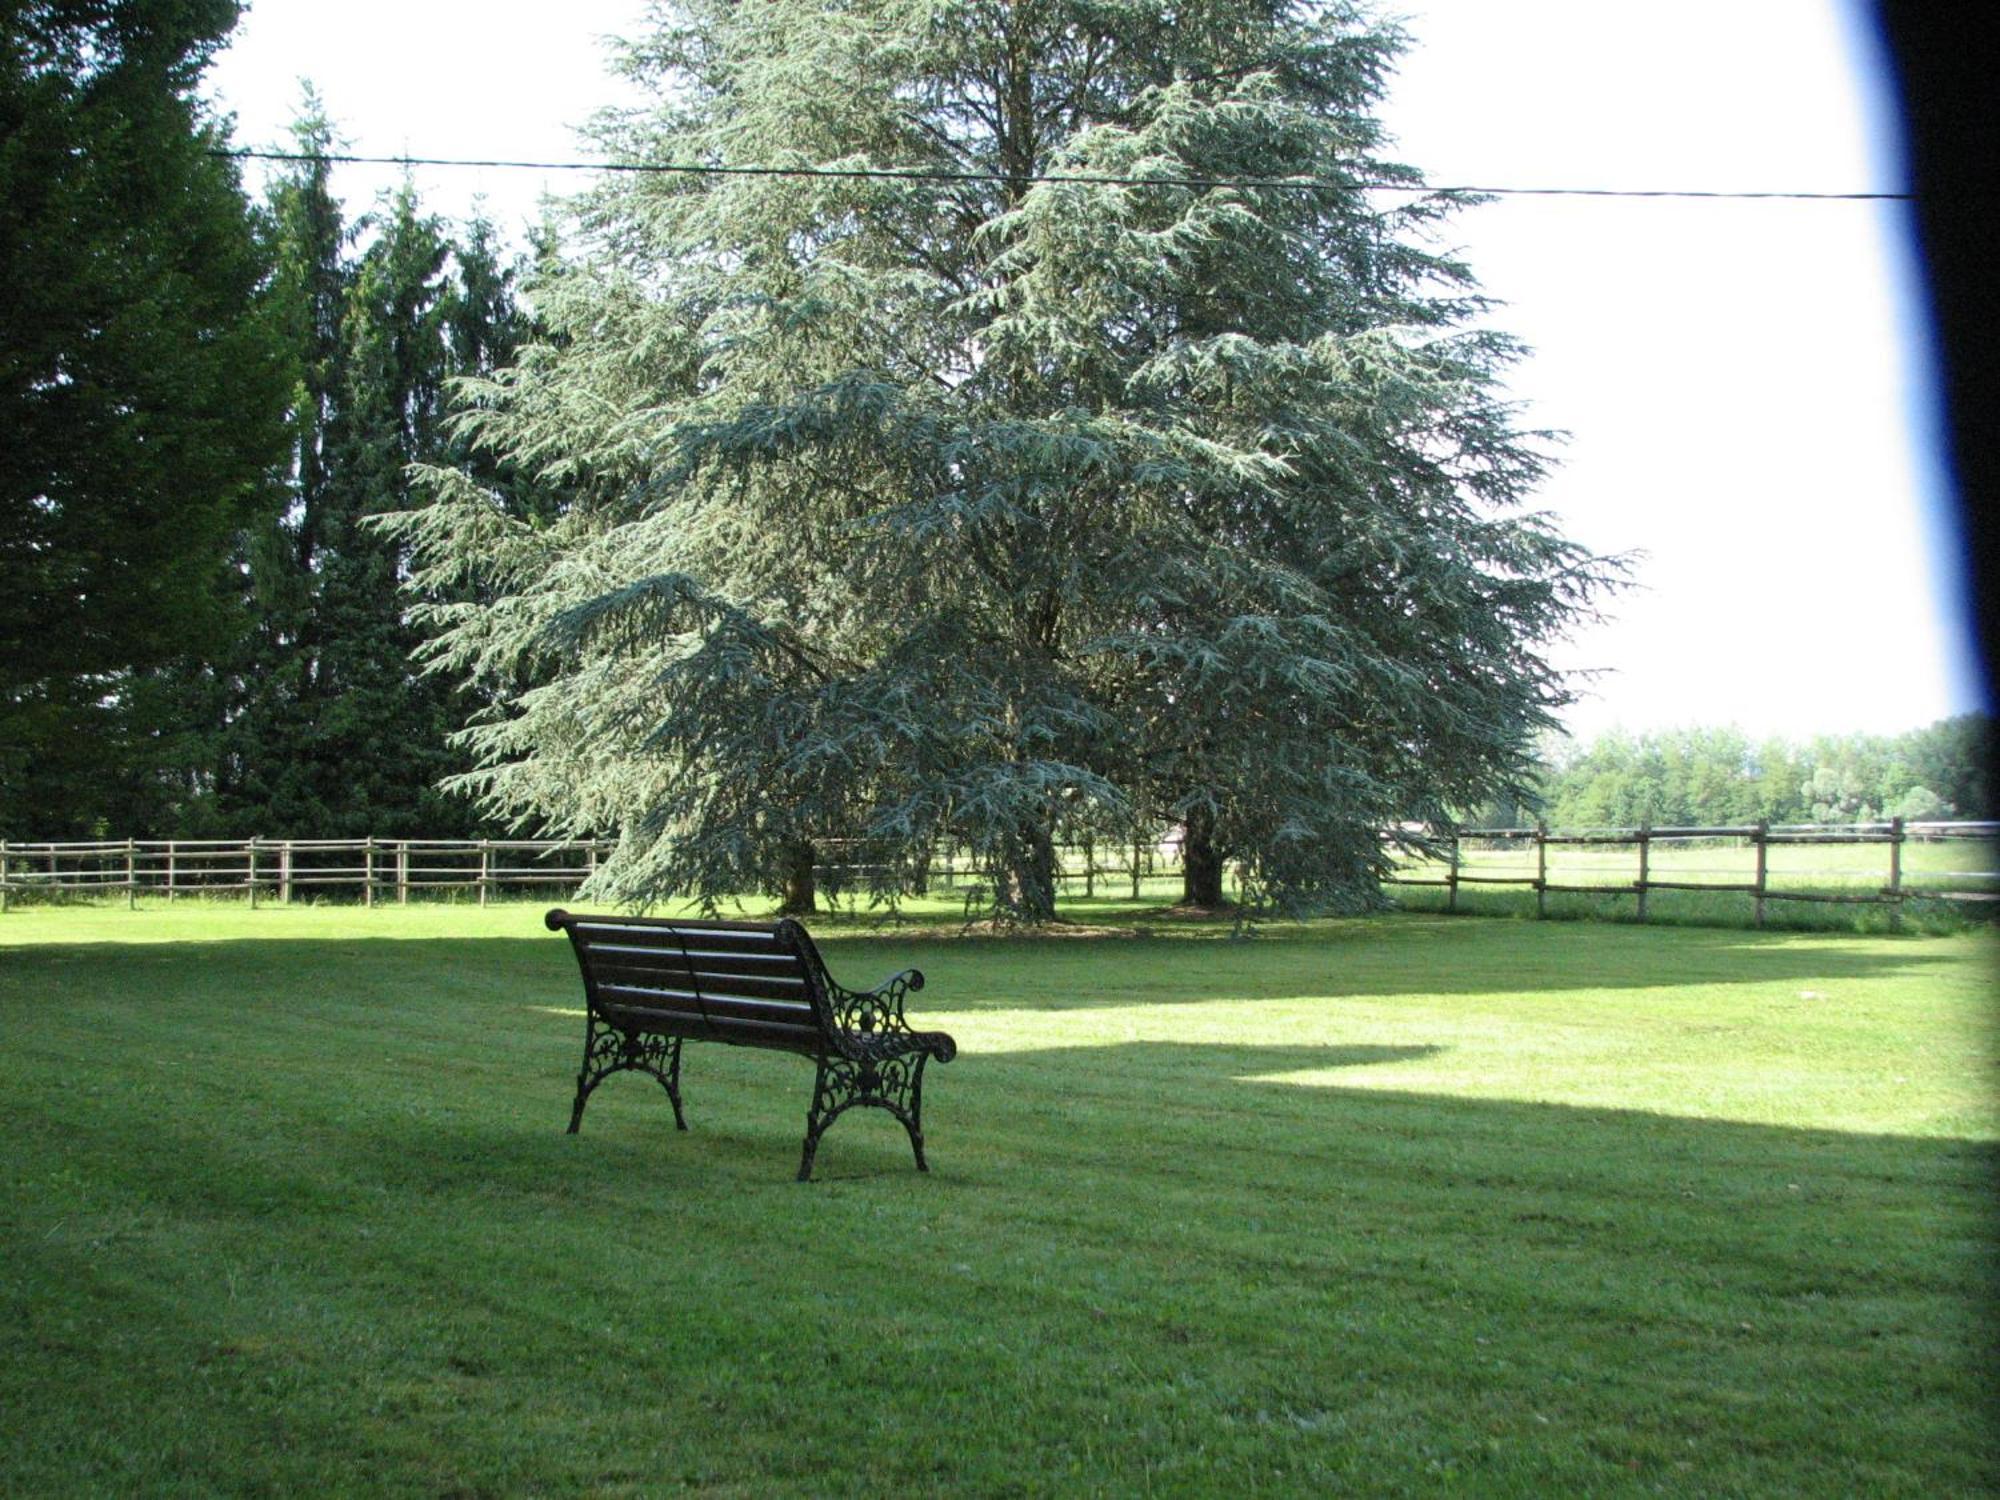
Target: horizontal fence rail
column 284, row 868
column 390, row 869
column 1891, row 863
column 1882, row 864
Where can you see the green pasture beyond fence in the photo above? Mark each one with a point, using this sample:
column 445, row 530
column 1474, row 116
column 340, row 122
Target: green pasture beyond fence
column 1752, row 873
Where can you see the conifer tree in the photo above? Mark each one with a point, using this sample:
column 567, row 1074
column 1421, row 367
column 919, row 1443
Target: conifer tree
column 141, row 395
column 264, row 779
column 960, row 504
column 337, row 736
column 379, row 736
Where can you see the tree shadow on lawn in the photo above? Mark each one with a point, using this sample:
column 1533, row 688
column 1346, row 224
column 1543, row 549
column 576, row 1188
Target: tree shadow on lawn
column 1175, row 1112
column 1358, row 960
column 746, row 1111
column 1166, row 1200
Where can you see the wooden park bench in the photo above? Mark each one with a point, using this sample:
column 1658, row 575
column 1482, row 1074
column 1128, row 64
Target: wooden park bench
column 651, row 984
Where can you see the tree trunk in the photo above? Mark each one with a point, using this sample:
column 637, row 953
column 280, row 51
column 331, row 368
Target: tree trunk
column 801, row 892
column 1028, row 883
column 1201, row 862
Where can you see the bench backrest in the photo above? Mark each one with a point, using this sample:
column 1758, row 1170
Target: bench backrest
column 755, row 983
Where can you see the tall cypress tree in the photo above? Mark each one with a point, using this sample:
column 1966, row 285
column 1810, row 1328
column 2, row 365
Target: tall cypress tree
column 337, row 736
column 379, row 737
column 141, row 392
column 266, row 779
column 965, row 504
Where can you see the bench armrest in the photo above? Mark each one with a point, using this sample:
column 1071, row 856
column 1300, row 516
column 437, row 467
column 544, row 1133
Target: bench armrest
column 877, row 1011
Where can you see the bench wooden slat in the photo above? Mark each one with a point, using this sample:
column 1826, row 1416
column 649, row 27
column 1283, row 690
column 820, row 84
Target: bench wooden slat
column 716, row 1028
column 578, row 920
column 787, row 988
column 672, row 940
column 663, row 998
column 732, row 949
column 719, row 944
column 777, row 966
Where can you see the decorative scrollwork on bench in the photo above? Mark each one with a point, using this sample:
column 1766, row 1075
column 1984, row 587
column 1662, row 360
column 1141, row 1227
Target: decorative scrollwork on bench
column 874, row 1012
column 894, row 1083
column 607, row 1050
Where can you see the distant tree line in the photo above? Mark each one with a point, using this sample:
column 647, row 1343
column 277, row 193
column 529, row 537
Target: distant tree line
column 1722, row 777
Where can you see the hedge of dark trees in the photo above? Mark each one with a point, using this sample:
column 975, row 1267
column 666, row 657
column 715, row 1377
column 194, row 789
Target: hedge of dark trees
column 204, row 399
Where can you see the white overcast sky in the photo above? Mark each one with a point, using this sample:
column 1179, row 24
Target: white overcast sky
column 1747, row 386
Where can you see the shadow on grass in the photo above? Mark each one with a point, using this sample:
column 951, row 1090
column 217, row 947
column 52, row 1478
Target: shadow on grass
column 374, row 1241
column 1172, row 1114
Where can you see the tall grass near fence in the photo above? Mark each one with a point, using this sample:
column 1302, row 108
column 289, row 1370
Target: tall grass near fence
column 1394, row 1205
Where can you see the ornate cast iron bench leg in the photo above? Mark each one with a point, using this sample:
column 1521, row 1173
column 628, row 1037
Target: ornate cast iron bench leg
column 607, row 1050
column 894, row 1083
column 914, row 1123
column 818, row 1117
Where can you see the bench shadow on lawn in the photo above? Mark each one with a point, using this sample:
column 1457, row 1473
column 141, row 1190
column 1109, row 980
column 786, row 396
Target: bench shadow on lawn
column 745, row 1109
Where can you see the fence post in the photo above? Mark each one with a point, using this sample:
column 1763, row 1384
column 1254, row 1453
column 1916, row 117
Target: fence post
column 1089, row 866
column 1645, row 865
column 131, row 875
column 1762, row 836
column 1451, row 875
column 368, row 871
column 402, row 872
column 1895, row 875
column 1541, row 870
column 250, row 871
column 485, row 867
column 173, row 867
column 285, row 873
column 6, row 885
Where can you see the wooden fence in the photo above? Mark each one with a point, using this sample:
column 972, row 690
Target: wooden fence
column 381, row 869
column 373, row 869
column 1615, row 862
column 1661, row 859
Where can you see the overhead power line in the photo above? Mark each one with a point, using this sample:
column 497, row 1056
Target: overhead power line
column 916, row 174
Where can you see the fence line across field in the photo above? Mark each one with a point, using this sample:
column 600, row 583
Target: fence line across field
column 378, row 868
column 1460, row 866
column 392, row 868
column 282, row 867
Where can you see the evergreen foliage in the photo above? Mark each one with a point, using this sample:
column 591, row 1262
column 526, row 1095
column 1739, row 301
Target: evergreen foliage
column 141, row 397
column 335, row 735
column 979, row 511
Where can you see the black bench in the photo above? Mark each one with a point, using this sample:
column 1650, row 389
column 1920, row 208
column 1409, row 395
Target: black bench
column 651, row 984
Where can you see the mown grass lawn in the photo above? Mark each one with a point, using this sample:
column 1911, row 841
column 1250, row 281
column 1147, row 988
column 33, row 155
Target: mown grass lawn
column 1408, row 1204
